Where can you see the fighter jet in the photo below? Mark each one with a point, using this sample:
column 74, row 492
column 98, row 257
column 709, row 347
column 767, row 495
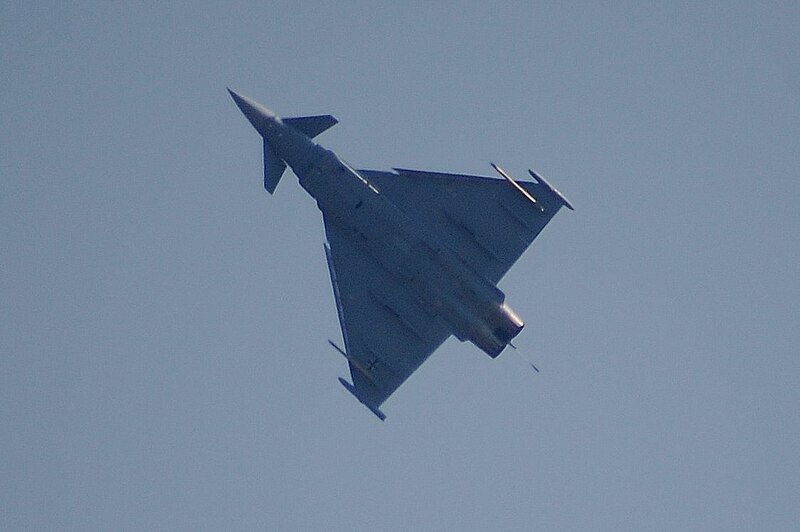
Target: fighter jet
column 414, row 256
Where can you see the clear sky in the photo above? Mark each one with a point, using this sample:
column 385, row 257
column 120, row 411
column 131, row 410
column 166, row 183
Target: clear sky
column 163, row 320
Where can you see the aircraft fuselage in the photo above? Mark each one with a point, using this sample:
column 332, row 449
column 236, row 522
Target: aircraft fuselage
column 414, row 256
column 440, row 281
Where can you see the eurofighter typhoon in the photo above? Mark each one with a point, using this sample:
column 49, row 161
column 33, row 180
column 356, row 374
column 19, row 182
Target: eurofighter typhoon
column 413, row 256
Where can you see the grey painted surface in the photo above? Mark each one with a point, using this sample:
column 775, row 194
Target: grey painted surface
column 413, row 256
column 163, row 320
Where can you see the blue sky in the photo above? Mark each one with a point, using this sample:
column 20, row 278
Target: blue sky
column 163, row 321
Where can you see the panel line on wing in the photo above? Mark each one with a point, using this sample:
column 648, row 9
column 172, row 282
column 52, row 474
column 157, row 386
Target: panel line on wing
column 516, row 218
column 488, row 224
column 391, row 311
column 390, row 366
column 388, row 333
column 470, row 234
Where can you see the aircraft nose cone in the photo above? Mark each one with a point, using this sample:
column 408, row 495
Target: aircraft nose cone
column 257, row 114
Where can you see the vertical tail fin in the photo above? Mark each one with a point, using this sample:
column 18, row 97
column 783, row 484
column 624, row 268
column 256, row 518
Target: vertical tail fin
column 273, row 168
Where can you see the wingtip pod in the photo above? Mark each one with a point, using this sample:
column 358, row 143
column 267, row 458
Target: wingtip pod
column 539, row 179
column 350, row 388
